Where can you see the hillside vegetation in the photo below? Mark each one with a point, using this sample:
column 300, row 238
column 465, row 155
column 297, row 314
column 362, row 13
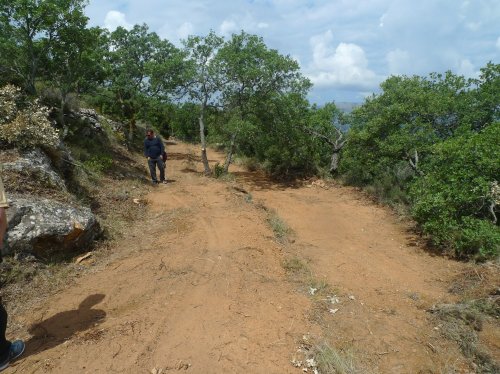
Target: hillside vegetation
column 427, row 144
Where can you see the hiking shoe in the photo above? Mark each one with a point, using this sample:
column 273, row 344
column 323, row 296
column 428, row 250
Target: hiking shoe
column 16, row 349
column 164, row 182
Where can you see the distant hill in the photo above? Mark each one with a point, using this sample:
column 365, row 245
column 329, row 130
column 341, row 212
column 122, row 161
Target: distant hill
column 347, row 107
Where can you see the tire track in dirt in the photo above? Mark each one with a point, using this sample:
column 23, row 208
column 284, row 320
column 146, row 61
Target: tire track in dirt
column 202, row 287
column 384, row 281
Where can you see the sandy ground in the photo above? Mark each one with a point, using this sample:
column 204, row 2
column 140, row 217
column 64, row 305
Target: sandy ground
column 202, row 288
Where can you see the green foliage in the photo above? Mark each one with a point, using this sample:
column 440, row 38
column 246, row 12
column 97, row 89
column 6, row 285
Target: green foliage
column 204, row 80
column 98, row 164
column 253, row 74
column 143, row 70
column 280, row 143
column 478, row 238
column 218, row 170
column 71, row 66
column 432, row 143
column 453, row 200
column 31, row 32
column 184, row 122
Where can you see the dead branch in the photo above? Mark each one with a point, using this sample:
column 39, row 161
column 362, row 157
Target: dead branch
column 414, row 163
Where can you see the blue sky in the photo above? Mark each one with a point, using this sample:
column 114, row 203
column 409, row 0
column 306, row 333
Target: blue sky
column 346, row 47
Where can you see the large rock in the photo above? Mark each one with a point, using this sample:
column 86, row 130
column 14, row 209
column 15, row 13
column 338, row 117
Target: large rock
column 39, row 166
column 95, row 120
column 42, row 226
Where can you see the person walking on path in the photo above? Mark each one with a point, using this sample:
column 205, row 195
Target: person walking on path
column 153, row 150
column 9, row 351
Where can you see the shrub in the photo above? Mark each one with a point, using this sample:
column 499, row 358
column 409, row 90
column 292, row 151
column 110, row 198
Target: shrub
column 218, row 171
column 98, row 164
column 479, row 238
column 456, row 199
column 25, row 125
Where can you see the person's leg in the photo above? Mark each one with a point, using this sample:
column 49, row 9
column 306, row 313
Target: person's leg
column 4, row 343
column 161, row 166
column 152, row 169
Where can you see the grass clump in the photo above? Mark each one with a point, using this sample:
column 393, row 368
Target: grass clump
column 461, row 322
column 295, row 266
column 281, row 230
column 332, row 361
column 98, row 164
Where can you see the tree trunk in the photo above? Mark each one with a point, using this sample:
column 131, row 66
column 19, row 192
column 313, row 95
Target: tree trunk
column 204, row 157
column 334, row 163
column 131, row 130
column 230, row 153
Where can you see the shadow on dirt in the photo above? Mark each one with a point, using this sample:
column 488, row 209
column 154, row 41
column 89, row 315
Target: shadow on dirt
column 262, row 182
column 177, row 156
column 62, row 326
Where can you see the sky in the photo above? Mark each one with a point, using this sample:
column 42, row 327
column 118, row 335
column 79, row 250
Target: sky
column 345, row 47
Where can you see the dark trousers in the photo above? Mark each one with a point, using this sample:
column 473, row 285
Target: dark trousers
column 152, row 163
column 4, row 343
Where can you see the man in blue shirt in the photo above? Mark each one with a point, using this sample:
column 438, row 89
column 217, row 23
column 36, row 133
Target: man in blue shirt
column 153, row 150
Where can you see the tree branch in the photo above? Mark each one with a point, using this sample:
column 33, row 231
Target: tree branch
column 414, row 163
column 492, row 211
column 317, row 134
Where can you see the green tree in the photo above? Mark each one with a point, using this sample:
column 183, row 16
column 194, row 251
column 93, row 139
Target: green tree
column 141, row 67
column 185, row 123
column 252, row 73
column 457, row 199
column 75, row 64
column 431, row 143
column 204, row 80
column 393, row 131
column 279, row 141
column 30, row 29
column 328, row 125
column 484, row 107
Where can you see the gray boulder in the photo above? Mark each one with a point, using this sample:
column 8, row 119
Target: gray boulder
column 39, row 166
column 95, row 121
column 42, row 226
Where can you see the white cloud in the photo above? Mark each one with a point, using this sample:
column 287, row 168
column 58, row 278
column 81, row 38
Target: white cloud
column 398, row 61
column 246, row 21
column 228, row 27
column 185, row 30
column 473, row 26
column 467, row 69
column 114, row 19
column 381, row 20
column 379, row 37
column 345, row 65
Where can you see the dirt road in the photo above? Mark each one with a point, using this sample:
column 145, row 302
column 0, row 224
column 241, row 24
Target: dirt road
column 202, row 287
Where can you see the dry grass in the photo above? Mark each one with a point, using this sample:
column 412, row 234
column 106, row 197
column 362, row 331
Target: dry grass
column 280, row 229
column 327, row 358
column 478, row 287
column 333, row 361
column 318, row 356
column 295, row 267
column 477, row 281
column 26, row 183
